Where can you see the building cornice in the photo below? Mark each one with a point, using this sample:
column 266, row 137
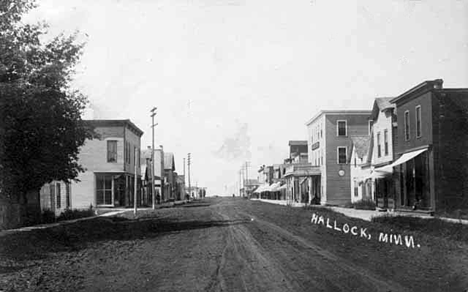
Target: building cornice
column 337, row 112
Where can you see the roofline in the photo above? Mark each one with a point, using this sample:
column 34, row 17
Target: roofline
column 448, row 90
column 113, row 123
column 338, row 112
column 428, row 84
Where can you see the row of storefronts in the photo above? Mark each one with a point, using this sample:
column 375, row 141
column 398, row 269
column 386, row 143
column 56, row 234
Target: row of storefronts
column 407, row 153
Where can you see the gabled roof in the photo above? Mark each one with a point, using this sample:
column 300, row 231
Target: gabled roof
column 361, row 145
column 169, row 161
column 384, row 103
column 381, row 104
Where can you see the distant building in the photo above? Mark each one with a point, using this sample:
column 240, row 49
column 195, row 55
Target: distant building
column 109, row 161
column 147, row 172
column 330, row 148
column 298, row 151
column 180, row 187
column 170, row 177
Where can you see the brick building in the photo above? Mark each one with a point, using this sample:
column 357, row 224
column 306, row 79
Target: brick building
column 432, row 165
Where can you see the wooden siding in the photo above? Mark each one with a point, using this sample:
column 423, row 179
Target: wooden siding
column 338, row 188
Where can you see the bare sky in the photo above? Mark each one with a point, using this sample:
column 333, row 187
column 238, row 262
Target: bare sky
column 234, row 80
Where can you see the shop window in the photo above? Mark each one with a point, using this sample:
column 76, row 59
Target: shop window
column 103, row 189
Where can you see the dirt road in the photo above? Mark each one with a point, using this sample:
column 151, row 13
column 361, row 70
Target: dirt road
column 226, row 245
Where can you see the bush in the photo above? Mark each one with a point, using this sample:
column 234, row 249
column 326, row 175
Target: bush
column 364, row 205
column 47, row 216
column 70, row 214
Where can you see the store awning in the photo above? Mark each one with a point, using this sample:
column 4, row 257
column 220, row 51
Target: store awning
column 404, row 158
column 262, row 188
column 283, row 187
column 275, row 187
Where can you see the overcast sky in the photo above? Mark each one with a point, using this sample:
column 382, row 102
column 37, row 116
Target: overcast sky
column 235, row 80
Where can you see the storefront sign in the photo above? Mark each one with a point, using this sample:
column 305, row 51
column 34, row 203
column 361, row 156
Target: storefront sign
column 397, row 239
column 316, row 145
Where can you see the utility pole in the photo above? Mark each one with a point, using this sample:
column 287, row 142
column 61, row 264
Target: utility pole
column 188, row 166
column 184, row 181
column 136, row 184
column 246, row 176
column 240, row 182
column 153, row 113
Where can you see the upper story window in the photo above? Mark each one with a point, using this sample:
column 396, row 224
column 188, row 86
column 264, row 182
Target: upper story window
column 407, row 126
column 418, row 121
column 111, row 151
column 341, row 155
column 385, row 136
column 379, row 146
column 370, row 123
column 128, row 152
column 341, row 128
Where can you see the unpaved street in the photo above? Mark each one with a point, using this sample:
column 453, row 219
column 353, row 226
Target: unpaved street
column 223, row 245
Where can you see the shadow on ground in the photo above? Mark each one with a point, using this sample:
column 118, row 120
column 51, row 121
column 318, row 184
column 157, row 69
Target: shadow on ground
column 37, row 244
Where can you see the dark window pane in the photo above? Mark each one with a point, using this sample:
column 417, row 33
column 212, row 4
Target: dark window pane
column 99, row 197
column 107, row 182
column 341, row 128
column 59, row 196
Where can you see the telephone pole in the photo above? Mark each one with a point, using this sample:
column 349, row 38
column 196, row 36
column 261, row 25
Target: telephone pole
column 246, row 177
column 240, row 182
column 184, row 181
column 135, row 190
column 188, row 166
column 153, row 113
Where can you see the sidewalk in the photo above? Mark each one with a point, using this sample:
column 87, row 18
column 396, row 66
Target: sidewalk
column 107, row 214
column 363, row 214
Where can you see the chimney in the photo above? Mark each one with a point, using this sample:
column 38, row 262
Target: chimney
column 149, row 147
column 438, row 83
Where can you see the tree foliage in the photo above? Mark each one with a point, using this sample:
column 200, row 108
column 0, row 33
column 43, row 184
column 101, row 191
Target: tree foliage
column 41, row 128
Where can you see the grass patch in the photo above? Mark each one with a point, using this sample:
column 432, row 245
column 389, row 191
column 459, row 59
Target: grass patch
column 71, row 214
column 455, row 214
column 362, row 205
column 431, row 226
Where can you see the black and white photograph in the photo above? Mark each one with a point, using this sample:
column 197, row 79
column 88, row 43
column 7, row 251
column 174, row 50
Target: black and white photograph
column 234, row 145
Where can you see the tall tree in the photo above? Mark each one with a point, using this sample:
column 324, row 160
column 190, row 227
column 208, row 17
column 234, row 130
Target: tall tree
column 41, row 128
